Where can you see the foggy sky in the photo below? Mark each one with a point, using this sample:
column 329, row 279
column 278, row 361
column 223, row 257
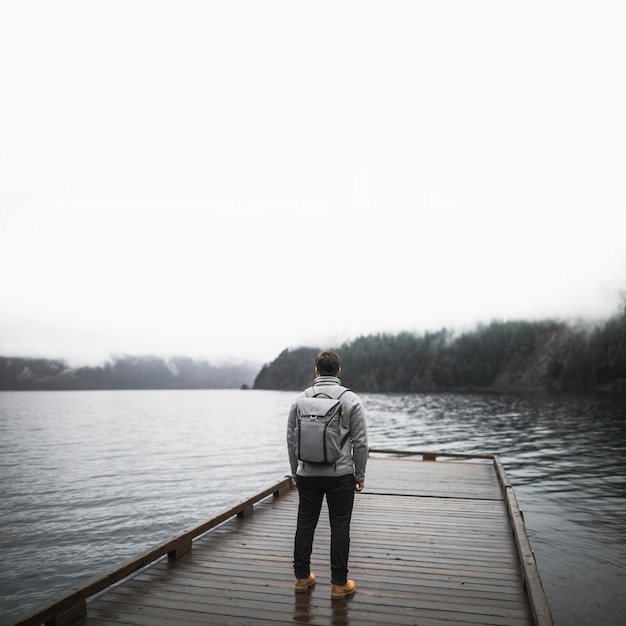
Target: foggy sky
column 225, row 180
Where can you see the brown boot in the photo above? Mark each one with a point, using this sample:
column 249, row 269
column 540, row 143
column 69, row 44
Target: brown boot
column 339, row 592
column 304, row 584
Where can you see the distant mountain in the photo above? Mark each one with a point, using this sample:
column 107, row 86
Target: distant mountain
column 124, row 373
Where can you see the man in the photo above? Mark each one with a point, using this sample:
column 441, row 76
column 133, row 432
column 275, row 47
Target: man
column 337, row 481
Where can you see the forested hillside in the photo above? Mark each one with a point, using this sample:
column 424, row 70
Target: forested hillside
column 123, row 373
column 501, row 356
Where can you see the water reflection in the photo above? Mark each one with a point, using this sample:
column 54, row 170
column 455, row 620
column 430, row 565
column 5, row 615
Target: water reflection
column 340, row 611
column 302, row 608
column 307, row 611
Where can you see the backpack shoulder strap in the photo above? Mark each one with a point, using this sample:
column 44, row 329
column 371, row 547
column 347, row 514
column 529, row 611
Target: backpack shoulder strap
column 323, row 393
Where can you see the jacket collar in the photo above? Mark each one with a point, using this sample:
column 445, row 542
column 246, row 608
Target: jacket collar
column 327, row 380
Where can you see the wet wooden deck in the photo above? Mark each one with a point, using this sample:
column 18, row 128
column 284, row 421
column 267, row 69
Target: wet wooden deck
column 432, row 544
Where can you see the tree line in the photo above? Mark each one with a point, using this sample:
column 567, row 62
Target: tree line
column 546, row 355
column 510, row 355
column 123, row 373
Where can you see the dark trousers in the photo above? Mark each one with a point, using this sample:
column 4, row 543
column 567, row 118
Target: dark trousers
column 339, row 492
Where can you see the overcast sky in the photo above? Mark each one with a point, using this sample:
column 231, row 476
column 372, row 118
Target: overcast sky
column 228, row 179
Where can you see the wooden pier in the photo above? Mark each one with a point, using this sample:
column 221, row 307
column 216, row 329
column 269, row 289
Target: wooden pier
column 434, row 543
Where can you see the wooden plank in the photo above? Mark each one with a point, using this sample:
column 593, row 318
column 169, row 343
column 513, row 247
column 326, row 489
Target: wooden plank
column 539, row 603
column 417, row 558
column 281, row 600
column 446, row 479
column 208, row 582
column 73, row 601
column 431, row 544
column 428, row 455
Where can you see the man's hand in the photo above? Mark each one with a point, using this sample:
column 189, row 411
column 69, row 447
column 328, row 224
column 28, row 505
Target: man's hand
column 360, row 486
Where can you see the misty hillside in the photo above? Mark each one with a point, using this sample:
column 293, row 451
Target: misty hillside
column 123, row 373
column 503, row 356
column 546, row 355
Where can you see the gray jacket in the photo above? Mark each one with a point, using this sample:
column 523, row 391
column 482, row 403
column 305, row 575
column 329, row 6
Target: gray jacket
column 353, row 455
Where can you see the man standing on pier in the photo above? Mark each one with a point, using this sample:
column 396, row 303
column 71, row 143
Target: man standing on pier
column 337, row 480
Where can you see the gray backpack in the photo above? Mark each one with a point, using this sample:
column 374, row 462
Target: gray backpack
column 320, row 432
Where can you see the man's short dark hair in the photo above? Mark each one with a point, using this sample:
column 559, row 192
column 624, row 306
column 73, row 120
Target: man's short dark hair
column 328, row 363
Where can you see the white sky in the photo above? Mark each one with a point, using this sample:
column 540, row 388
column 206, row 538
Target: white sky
column 228, row 179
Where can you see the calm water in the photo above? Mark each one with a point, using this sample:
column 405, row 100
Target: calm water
column 89, row 479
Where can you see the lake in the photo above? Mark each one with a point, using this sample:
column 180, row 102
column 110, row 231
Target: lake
column 89, row 479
